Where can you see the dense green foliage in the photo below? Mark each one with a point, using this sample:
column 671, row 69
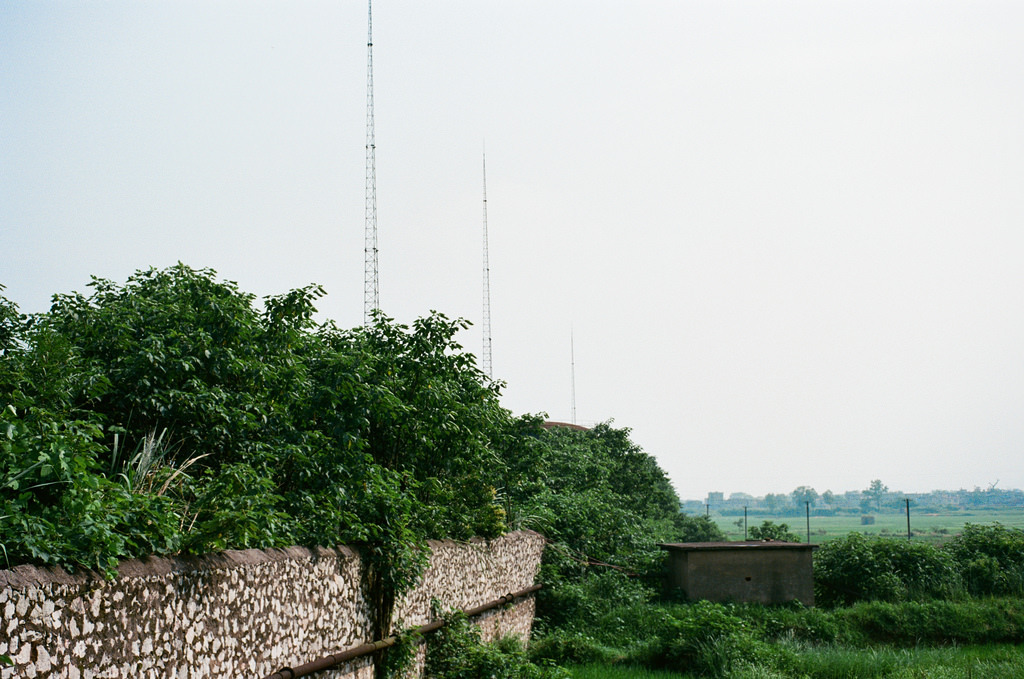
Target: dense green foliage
column 727, row 640
column 891, row 606
column 857, row 568
column 769, row 530
column 991, row 559
column 601, row 500
column 172, row 415
column 456, row 652
column 982, row 561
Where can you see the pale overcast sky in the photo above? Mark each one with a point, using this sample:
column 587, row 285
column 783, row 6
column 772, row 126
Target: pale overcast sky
column 787, row 236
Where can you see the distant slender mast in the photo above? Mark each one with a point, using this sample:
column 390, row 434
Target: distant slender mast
column 572, row 361
column 371, row 294
column 488, row 370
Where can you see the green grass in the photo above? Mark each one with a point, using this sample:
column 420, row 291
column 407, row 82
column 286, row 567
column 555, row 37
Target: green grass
column 838, row 662
column 598, row 671
column 934, row 527
column 976, row 662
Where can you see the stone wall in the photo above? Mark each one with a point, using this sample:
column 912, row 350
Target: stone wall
column 239, row 613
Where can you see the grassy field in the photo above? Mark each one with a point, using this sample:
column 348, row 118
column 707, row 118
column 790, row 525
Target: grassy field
column 924, row 526
column 836, row 662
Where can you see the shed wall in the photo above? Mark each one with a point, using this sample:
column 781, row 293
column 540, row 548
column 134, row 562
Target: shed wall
column 766, row 576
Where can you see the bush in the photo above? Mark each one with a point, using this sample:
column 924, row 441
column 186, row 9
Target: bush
column 456, row 652
column 772, row 531
column 856, row 568
column 935, row 622
column 571, row 647
column 924, row 570
column 990, row 558
column 847, row 570
column 592, row 596
column 712, row 640
column 793, row 621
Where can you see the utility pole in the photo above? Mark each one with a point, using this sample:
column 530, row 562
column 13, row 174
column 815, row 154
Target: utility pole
column 371, row 292
column 808, row 503
column 908, row 518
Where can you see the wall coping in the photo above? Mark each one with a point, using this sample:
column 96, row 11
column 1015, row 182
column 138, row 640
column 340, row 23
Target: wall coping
column 25, row 576
column 747, row 545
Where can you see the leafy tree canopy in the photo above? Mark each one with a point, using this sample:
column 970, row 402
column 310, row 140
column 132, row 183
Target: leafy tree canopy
column 773, row 531
column 173, row 414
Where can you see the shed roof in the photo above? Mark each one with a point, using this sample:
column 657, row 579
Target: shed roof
column 748, row 544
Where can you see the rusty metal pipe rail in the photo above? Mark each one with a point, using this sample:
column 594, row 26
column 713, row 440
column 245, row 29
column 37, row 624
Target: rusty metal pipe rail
column 334, row 659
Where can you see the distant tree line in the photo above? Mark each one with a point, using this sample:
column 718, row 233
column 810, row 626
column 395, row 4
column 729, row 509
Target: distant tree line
column 876, row 498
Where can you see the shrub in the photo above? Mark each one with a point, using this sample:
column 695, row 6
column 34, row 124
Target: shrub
column 847, row 570
column 793, row 621
column 938, row 622
column 592, row 596
column 856, row 568
column 569, row 647
column 711, row 640
column 924, row 570
column 772, row 531
column 990, row 558
column 455, row 652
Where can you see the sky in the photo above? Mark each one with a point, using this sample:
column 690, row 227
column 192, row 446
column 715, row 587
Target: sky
column 781, row 241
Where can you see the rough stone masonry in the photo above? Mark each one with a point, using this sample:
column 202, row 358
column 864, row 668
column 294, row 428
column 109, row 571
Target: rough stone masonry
column 240, row 613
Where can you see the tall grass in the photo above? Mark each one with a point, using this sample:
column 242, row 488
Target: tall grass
column 976, row 662
column 842, row 662
column 906, row 640
column 596, row 671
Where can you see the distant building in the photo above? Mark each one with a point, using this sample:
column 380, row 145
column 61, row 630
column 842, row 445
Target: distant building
column 550, row 424
column 694, row 506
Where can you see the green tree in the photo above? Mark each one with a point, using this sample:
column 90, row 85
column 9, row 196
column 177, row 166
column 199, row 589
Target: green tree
column 289, row 432
column 803, row 495
column 875, row 492
column 602, row 501
column 774, row 502
column 772, row 531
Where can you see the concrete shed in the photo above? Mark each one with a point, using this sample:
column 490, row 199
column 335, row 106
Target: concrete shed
column 764, row 572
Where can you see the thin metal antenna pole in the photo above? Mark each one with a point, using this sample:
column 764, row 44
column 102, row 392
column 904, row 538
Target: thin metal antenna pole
column 572, row 361
column 371, row 291
column 488, row 369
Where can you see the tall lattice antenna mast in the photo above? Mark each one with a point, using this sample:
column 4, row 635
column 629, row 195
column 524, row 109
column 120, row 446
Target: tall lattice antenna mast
column 371, row 293
column 488, row 370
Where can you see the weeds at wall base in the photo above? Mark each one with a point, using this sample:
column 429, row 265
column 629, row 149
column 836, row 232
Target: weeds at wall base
column 752, row 641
